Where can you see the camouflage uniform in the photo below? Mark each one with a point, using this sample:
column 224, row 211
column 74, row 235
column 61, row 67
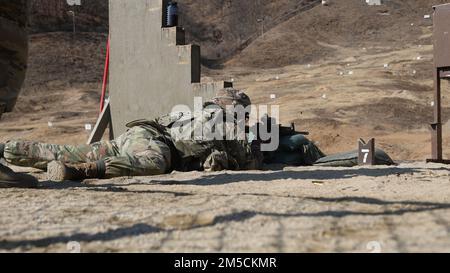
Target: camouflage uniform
column 209, row 155
column 139, row 151
column 13, row 51
column 147, row 148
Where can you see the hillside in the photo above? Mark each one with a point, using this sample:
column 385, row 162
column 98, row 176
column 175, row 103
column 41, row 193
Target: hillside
column 342, row 72
column 224, row 28
column 347, row 23
column 221, row 27
column 53, row 15
column 347, row 71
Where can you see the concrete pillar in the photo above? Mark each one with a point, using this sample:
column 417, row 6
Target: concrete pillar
column 151, row 67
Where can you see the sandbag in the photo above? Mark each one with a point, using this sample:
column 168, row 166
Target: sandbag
column 350, row 159
column 294, row 150
column 292, row 143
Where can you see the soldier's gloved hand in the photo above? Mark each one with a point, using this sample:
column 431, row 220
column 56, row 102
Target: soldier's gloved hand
column 216, row 161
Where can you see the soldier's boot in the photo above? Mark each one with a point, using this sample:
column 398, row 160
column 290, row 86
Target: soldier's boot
column 59, row 171
column 11, row 179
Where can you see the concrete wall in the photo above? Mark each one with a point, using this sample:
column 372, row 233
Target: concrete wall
column 151, row 69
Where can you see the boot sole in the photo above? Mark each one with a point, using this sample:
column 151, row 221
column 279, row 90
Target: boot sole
column 56, row 171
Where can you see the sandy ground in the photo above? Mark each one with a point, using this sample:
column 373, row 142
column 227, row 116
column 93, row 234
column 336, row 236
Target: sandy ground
column 388, row 209
column 345, row 82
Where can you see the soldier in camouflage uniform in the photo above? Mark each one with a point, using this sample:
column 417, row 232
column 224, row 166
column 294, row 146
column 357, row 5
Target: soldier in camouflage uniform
column 13, row 62
column 147, row 148
column 142, row 150
column 13, row 51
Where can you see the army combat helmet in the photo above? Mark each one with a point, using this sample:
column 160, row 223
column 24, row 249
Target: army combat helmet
column 232, row 97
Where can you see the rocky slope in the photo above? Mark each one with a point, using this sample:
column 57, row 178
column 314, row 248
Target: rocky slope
column 222, row 27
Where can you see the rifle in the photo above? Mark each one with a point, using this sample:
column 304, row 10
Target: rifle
column 290, row 130
column 283, row 130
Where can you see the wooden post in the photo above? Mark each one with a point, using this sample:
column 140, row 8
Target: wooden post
column 102, row 123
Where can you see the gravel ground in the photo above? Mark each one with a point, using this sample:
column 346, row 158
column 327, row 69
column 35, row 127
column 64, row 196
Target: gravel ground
column 388, row 209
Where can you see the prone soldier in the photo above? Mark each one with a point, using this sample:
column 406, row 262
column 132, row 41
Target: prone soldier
column 147, row 148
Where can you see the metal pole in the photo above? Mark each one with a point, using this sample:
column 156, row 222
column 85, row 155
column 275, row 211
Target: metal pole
column 436, row 139
column 73, row 22
column 105, row 77
column 261, row 21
